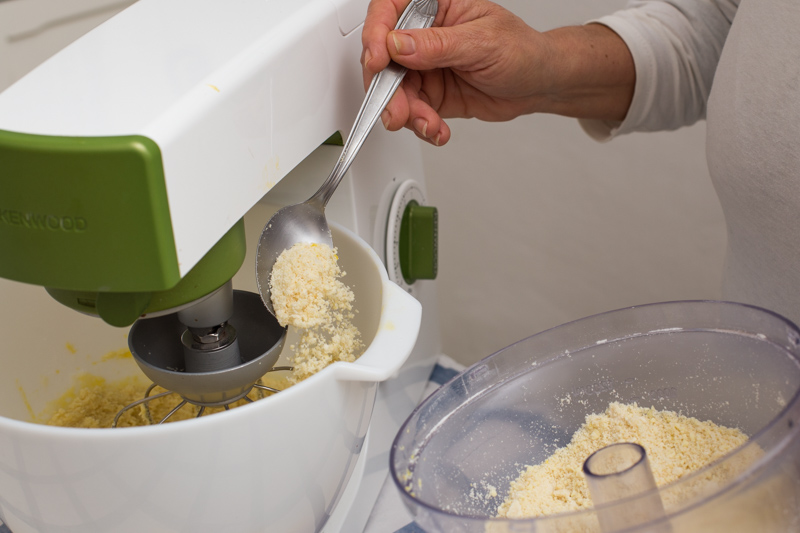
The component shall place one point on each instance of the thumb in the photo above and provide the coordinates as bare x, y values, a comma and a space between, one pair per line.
429, 48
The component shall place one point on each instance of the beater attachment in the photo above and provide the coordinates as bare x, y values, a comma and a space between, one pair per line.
260, 387
212, 353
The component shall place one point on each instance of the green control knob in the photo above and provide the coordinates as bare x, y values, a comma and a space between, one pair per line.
418, 242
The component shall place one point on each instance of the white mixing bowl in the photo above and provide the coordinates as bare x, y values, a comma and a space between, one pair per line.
279, 464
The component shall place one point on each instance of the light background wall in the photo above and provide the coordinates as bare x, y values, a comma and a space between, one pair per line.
540, 225
33, 30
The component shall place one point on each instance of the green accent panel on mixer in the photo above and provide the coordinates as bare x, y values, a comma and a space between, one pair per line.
418, 243
85, 213
335, 139
120, 309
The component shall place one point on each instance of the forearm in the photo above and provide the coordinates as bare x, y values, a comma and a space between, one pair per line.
676, 45
482, 61
591, 73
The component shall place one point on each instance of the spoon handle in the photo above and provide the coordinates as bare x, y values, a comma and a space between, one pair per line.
418, 14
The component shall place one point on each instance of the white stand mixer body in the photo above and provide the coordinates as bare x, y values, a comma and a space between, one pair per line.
236, 94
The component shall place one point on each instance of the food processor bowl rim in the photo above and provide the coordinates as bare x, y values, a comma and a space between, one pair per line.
766, 458
330, 373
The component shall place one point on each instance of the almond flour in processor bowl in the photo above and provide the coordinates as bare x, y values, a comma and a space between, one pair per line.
734, 365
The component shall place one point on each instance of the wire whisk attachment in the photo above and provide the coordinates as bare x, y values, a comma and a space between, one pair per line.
262, 391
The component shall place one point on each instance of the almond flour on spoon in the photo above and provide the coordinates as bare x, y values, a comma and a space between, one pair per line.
307, 294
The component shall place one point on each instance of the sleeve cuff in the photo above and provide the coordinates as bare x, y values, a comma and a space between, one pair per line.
600, 130
645, 65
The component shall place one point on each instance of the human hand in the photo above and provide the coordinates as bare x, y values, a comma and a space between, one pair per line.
480, 61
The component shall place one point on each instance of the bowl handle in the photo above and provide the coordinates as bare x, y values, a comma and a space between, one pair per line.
397, 333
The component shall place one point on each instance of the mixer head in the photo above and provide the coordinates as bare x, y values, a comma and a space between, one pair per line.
211, 353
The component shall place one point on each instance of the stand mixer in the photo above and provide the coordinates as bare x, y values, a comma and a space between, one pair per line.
133, 160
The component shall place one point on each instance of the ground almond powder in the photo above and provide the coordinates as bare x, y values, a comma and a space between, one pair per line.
307, 294
676, 446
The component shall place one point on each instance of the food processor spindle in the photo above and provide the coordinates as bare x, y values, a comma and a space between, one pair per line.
620, 471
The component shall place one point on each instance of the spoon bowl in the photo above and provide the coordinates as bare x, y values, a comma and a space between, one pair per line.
304, 222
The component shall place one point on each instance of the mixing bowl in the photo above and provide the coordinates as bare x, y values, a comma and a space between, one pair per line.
739, 366
279, 464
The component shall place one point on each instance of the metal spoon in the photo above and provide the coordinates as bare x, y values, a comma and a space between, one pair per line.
305, 222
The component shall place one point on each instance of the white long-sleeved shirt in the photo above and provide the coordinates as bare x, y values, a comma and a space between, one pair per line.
736, 64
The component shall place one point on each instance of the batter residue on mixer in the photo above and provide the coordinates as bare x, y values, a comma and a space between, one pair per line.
676, 446
307, 293
94, 402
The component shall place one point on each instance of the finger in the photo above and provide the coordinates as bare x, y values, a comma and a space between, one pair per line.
367, 76
410, 109
427, 123
455, 47
395, 115
440, 139
423, 119
430, 141
382, 17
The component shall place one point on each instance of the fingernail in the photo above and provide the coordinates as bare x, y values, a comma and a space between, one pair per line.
385, 117
367, 58
404, 44
437, 138
421, 125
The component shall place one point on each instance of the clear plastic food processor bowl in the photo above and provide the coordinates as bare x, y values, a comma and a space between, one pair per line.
735, 365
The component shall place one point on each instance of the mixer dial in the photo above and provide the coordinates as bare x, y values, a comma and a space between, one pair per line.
412, 240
